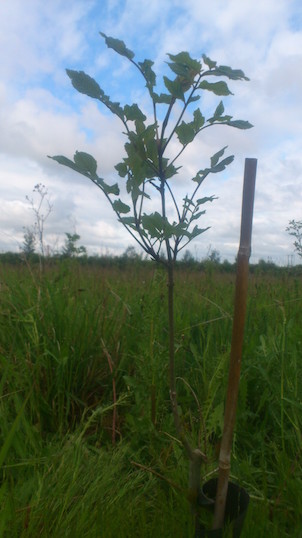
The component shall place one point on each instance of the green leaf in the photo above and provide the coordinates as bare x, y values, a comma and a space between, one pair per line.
180, 70
219, 110
223, 119
188, 201
234, 74
209, 62
139, 127
219, 88
217, 167
215, 158
63, 160
178, 230
154, 224
185, 133
201, 175
193, 98
119, 46
129, 184
150, 76
169, 170
197, 215
197, 231
135, 148
128, 221
122, 169
226, 71
85, 162
222, 165
111, 189
120, 207
133, 113
136, 192
85, 84
184, 59
108, 189
205, 199
217, 117
162, 98
115, 108
149, 137
138, 161
174, 87
198, 119
240, 124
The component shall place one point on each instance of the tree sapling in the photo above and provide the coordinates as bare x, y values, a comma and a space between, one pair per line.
147, 174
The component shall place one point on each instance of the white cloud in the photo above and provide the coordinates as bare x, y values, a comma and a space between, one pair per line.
35, 36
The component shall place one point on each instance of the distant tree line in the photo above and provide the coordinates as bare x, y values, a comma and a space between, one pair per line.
34, 250
130, 258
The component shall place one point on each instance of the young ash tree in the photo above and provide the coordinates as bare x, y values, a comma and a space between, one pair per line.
147, 174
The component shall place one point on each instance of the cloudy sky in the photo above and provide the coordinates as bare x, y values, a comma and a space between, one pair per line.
41, 114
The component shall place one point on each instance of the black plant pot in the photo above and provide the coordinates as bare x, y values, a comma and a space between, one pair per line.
235, 511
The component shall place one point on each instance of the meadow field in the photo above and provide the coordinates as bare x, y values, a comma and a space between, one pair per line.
87, 443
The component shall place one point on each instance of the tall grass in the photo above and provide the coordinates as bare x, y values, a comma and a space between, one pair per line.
83, 358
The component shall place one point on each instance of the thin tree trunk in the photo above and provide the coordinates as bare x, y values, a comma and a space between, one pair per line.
195, 456
173, 395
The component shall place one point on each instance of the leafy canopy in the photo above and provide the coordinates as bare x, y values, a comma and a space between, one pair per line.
145, 169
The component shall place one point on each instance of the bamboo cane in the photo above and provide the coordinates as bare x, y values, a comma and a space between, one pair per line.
237, 339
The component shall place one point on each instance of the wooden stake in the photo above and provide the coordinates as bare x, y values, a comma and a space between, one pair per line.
237, 339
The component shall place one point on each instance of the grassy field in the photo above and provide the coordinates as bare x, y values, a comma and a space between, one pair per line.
88, 446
